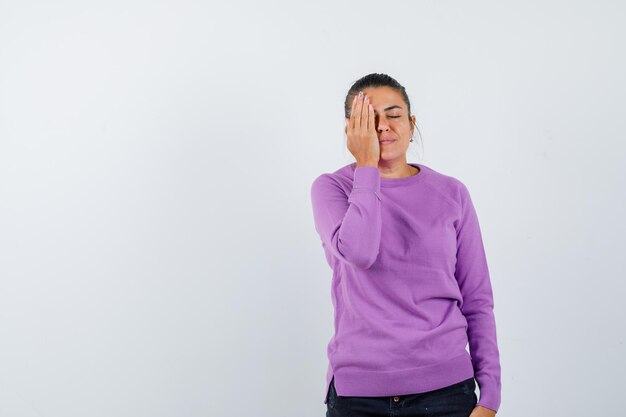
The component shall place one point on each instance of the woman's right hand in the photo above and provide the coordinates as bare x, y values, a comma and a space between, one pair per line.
361, 131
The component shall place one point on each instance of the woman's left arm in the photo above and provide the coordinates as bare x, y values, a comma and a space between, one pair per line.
472, 275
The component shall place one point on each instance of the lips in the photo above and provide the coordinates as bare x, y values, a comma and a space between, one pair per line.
386, 141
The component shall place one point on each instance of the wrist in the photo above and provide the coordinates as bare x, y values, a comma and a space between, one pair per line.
367, 163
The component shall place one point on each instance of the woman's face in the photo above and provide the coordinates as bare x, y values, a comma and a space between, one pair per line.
391, 121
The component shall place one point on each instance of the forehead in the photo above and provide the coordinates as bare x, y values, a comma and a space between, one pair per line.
384, 97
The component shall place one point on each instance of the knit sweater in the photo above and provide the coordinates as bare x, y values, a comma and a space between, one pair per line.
410, 284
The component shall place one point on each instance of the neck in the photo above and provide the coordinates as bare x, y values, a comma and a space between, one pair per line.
399, 169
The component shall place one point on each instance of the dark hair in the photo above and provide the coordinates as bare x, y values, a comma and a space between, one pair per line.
376, 80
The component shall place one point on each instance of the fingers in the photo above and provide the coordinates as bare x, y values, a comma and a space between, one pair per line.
359, 114
367, 118
357, 111
371, 125
365, 105
352, 112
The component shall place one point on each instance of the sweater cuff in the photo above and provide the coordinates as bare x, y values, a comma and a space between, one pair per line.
367, 178
490, 398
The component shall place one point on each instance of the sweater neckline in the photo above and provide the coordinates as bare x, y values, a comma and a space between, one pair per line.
397, 182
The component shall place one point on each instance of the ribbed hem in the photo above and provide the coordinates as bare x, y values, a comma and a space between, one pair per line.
353, 382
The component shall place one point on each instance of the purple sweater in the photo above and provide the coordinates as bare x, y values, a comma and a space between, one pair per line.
410, 284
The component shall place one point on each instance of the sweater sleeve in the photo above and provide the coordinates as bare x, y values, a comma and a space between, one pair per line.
349, 225
472, 274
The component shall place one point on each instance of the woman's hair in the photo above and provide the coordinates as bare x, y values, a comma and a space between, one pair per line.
376, 80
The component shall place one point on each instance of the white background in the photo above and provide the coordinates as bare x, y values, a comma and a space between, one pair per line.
157, 249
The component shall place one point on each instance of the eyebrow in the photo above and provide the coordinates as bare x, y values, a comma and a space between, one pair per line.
392, 107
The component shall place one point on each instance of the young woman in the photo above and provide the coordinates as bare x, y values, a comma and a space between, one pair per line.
410, 285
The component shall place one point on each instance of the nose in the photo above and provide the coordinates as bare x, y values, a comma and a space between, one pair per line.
382, 125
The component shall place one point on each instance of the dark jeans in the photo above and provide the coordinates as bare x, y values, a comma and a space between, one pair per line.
457, 400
